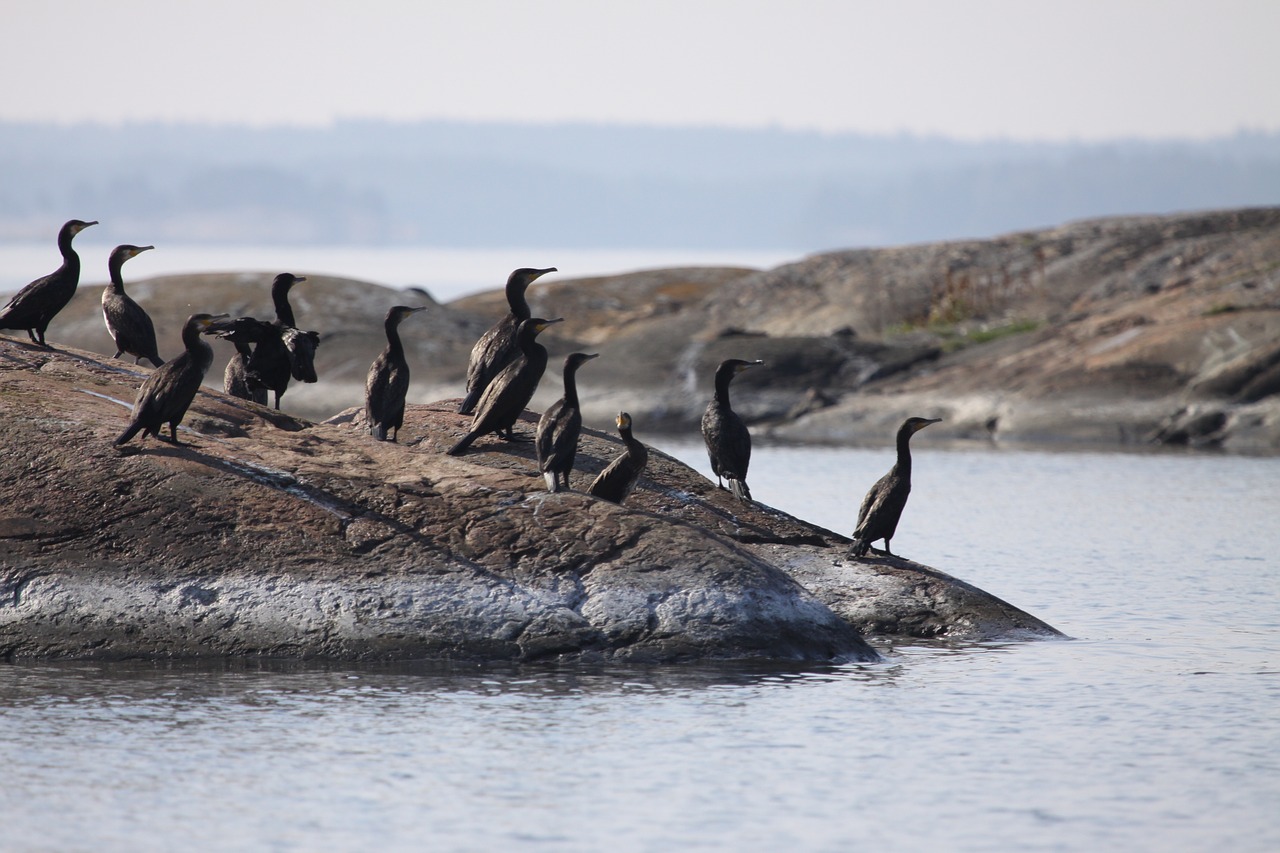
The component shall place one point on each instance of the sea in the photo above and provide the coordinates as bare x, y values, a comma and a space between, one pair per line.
1154, 725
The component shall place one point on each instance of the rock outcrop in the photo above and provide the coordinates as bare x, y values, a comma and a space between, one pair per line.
1116, 331
269, 535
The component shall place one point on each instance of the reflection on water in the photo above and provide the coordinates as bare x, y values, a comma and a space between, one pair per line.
1156, 729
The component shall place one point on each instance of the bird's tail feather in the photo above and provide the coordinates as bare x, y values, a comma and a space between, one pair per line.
469, 402
739, 489
129, 433
463, 444
553, 481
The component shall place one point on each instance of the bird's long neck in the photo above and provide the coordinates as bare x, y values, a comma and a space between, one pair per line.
200, 351
395, 349
69, 257
904, 452
635, 448
243, 349
117, 276
284, 311
722, 388
571, 385
515, 298
528, 342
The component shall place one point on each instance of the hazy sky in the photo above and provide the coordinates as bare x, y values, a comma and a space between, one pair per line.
1025, 69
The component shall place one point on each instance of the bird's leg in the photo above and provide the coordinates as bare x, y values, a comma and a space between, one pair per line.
173, 432
277, 393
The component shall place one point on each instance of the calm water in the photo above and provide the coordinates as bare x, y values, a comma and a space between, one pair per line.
1157, 728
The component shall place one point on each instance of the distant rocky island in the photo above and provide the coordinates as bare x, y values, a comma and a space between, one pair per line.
1128, 331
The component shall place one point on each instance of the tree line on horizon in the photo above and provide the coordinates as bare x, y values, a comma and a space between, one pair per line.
477, 185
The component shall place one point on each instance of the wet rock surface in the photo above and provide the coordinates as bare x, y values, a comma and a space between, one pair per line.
269, 535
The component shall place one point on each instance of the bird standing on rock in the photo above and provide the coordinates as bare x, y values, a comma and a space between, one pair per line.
128, 324
35, 306
281, 351
387, 384
616, 482
560, 427
727, 438
511, 390
882, 507
497, 347
168, 392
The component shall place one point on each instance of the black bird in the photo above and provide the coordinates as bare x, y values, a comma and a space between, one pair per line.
280, 287
35, 306
300, 345
616, 482
497, 347
167, 394
235, 379
280, 352
511, 390
254, 372
727, 438
127, 323
560, 426
388, 381
883, 505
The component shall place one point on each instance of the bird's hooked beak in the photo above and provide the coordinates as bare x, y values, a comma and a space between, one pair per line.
84, 225
138, 250
546, 323
216, 323
924, 422
748, 365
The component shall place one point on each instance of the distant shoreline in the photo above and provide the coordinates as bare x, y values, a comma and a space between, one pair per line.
447, 273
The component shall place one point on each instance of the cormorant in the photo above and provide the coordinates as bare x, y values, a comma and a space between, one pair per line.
882, 507
511, 390
280, 288
388, 380
35, 306
300, 345
280, 350
560, 426
497, 347
127, 323
168, 392
616, 482
727, 438
235, 379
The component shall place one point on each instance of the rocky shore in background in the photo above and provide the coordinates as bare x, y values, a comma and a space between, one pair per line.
270, 535
1126, 331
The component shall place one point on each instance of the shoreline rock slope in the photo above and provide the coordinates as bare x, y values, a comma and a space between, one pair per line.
271, 536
